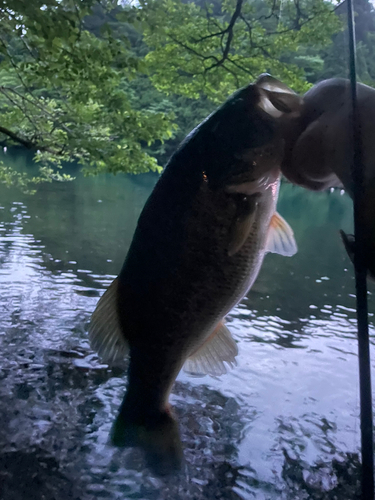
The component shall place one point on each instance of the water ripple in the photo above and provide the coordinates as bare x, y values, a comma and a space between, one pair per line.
283, 424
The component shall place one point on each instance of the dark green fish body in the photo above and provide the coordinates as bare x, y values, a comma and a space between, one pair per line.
196, 251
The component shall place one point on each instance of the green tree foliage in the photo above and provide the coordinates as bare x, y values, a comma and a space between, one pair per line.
192, 52
62, 89
214, 48
335, 57
100, 83
187, 113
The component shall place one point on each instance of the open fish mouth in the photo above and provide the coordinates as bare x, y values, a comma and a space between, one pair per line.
349, 244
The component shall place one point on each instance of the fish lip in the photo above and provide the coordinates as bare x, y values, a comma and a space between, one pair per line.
349, 244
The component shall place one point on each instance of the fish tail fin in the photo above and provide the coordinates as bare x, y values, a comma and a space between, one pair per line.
157, 435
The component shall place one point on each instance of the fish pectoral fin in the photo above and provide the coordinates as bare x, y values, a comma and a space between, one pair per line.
239, 234
280, 237
105, 333
241, 228
210, 357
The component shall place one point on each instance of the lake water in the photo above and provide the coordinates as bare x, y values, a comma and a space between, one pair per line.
284, 424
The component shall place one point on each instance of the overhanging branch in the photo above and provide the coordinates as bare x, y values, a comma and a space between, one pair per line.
25, 142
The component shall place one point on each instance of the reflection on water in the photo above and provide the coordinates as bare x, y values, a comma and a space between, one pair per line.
282, 425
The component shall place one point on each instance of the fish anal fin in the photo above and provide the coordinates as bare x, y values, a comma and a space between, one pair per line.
210, 358
280, 237
105, 333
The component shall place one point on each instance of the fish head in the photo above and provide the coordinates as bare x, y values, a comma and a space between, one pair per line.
255, 119
247, 131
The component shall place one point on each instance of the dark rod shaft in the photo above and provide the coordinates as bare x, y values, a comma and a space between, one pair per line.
360, 280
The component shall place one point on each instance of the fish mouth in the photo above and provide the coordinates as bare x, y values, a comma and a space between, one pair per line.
349, 244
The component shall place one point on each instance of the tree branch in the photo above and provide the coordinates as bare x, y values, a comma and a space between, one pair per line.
236, 15
225, 50
222, 33
190, 49
25, 142
29, 144
23, 111
273, 14
39, 106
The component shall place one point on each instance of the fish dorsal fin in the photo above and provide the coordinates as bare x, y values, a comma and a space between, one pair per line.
280, 237
210, 357
105, 333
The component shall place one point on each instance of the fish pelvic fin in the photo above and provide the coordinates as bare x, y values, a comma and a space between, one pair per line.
157, 435
280, 237
105, 334
211, 356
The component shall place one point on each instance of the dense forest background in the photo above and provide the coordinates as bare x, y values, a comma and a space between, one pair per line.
117, 85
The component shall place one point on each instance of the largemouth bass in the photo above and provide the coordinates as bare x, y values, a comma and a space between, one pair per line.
319, 150
196, 251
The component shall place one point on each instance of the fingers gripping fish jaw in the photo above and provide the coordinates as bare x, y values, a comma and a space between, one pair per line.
319, 151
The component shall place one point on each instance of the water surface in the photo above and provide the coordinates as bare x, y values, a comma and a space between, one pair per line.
284, 424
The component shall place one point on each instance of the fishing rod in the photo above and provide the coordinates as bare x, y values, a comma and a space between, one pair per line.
357, 172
